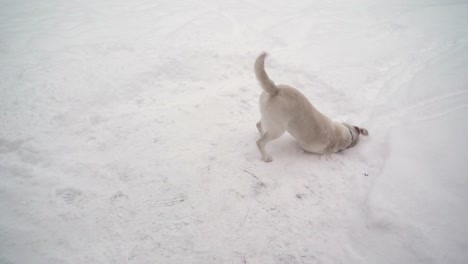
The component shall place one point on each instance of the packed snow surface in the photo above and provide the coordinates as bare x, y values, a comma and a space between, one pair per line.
127, 132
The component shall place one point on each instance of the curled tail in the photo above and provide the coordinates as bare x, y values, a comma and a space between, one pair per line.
262, 77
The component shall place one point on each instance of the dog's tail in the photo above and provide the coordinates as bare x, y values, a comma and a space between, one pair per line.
267, 84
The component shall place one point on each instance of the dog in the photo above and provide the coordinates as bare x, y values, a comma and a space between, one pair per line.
283, 108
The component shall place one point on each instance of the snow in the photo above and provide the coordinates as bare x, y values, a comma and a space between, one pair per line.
127, 132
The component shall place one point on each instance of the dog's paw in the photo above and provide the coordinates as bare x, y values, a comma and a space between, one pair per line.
267, 158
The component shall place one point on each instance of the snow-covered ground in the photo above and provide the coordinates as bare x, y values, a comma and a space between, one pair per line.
127, 132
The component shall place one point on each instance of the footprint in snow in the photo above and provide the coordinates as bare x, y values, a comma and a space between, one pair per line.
180, 198
68, 195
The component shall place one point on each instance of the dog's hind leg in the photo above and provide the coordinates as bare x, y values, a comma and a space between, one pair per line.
260, 128
261, 143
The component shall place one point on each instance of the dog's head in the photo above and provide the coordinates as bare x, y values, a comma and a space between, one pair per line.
355, 132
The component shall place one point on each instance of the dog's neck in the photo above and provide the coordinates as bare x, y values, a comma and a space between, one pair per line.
351, 134
346, 129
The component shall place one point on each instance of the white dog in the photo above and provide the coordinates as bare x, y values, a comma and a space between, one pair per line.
284, 108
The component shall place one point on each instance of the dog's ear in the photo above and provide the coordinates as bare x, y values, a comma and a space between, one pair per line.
363, 131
